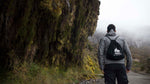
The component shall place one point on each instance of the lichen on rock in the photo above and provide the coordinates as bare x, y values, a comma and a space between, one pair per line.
46, 31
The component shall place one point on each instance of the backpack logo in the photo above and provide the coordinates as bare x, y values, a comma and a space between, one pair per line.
115, 51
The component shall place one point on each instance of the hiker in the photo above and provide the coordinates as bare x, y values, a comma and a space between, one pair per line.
113, 52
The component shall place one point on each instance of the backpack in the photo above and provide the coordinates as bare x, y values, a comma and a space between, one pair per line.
114, 52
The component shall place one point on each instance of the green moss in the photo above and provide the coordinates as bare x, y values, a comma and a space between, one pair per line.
36, 74
26, 31
55, 7
47, 32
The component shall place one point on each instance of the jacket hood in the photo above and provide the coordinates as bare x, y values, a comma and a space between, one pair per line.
111, 33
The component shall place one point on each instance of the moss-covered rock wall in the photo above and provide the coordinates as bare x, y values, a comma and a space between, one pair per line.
45, 31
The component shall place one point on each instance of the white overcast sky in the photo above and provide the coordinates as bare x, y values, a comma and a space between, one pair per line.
131, 16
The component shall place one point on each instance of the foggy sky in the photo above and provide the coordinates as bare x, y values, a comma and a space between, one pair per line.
131, 17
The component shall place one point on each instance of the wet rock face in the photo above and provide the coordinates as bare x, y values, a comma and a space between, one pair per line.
45, 31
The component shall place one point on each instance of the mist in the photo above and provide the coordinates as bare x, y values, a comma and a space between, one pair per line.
131, 18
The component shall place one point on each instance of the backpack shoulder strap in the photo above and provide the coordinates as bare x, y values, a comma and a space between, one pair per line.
108, 38
116, 37
111, 39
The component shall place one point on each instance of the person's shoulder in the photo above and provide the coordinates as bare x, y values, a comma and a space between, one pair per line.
104, 38
121, 38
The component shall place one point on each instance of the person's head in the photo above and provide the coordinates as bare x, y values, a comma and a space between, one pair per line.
111, 26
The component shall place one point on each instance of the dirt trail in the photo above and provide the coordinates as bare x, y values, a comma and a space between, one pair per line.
134, 78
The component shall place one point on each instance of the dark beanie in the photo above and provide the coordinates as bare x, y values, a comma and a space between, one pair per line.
111, 26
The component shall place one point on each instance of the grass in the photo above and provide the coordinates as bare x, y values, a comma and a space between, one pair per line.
37, 74
34, 73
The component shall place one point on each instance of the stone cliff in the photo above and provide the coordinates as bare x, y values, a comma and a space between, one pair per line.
52, 32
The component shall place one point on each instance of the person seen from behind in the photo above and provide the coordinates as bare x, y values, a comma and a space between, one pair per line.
114, 57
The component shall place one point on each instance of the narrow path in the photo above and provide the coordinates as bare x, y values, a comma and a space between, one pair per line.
134, 78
